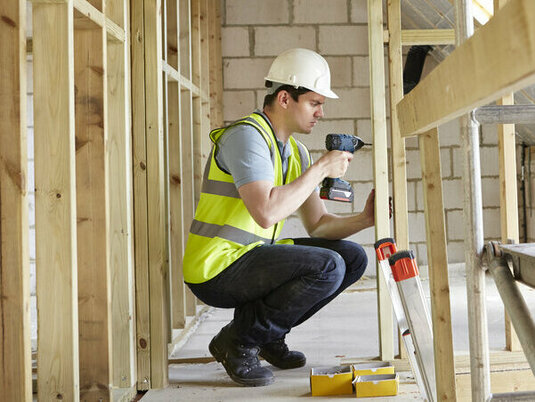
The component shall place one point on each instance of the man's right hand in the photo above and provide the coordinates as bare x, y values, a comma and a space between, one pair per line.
335, 163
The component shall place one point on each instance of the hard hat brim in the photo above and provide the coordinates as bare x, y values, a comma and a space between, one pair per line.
324, 92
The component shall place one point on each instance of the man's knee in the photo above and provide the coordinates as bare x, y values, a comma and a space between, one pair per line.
333, 269
359, 261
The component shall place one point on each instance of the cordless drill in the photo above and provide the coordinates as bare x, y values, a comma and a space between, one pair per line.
338, 189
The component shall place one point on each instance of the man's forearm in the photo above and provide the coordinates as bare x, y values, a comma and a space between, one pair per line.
270, 204
334, 227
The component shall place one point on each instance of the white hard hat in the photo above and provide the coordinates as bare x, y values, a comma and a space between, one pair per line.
302, 68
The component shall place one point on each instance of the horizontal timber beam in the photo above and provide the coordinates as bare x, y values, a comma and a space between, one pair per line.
411, 37
113, 30
498, 59
505, 114
174, 75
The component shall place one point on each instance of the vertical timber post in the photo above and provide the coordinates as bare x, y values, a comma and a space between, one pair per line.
380, 167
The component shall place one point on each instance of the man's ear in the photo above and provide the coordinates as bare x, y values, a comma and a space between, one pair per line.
283, 97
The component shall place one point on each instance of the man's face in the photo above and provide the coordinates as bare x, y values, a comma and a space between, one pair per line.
306, 113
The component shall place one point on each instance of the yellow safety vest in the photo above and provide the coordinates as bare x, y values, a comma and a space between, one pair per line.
223, 230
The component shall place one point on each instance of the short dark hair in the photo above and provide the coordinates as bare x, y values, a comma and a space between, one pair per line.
293, 91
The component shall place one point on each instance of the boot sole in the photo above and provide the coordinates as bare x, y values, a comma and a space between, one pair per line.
220, 357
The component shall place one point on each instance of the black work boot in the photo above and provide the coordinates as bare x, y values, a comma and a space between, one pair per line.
278, 354
240, 361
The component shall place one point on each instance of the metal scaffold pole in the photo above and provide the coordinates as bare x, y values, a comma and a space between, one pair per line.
473, 216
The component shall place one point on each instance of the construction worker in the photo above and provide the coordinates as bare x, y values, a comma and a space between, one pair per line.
256, 176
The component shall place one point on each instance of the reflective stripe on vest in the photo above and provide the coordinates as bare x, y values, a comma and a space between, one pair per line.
225, 232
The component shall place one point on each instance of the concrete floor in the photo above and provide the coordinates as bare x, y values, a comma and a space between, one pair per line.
346, 328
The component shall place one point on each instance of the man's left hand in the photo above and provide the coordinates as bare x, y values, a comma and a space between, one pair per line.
369, 208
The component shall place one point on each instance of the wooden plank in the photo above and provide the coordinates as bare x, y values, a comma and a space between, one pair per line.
501, 381
176, 210
120, 216
187, 35
203, 142
399, 174
216, 67
499, 360
176, 230
55, 208
438, 264
411, 37
508, 193
380, 167
503, 61
157, 238
15, 325
141, 251
200, 69
92, 196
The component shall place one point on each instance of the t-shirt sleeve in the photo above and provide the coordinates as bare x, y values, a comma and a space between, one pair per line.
244, 153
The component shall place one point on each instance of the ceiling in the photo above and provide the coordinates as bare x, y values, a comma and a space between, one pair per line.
440, 14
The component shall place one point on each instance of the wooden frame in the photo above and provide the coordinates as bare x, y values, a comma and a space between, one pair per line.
15, 352
83, 150
93, 260
170, 143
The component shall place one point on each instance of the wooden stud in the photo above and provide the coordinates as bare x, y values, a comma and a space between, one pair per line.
141, 250
502, 61
55, 202
380, 167
178, 291
198, 19
157, 239
438, 264
92, 195
187, 35
204, 144
120, 212
399, 175
508, 194
216, 67
15, 325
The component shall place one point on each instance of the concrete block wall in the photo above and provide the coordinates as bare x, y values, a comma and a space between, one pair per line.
255, 31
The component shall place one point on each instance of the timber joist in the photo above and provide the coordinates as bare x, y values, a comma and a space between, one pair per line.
411, 37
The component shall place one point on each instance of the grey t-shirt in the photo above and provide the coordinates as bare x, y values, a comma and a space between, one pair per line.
244, 153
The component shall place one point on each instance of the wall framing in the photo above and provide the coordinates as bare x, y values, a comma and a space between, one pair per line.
171, 56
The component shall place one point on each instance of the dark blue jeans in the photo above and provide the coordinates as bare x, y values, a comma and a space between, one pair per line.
274, 288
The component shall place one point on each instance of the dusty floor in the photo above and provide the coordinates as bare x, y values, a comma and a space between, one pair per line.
345, 328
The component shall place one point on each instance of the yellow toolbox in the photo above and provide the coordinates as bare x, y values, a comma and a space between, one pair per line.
376, 385
331, 381
372, 368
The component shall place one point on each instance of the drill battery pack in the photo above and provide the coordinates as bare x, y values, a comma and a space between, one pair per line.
336, 190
